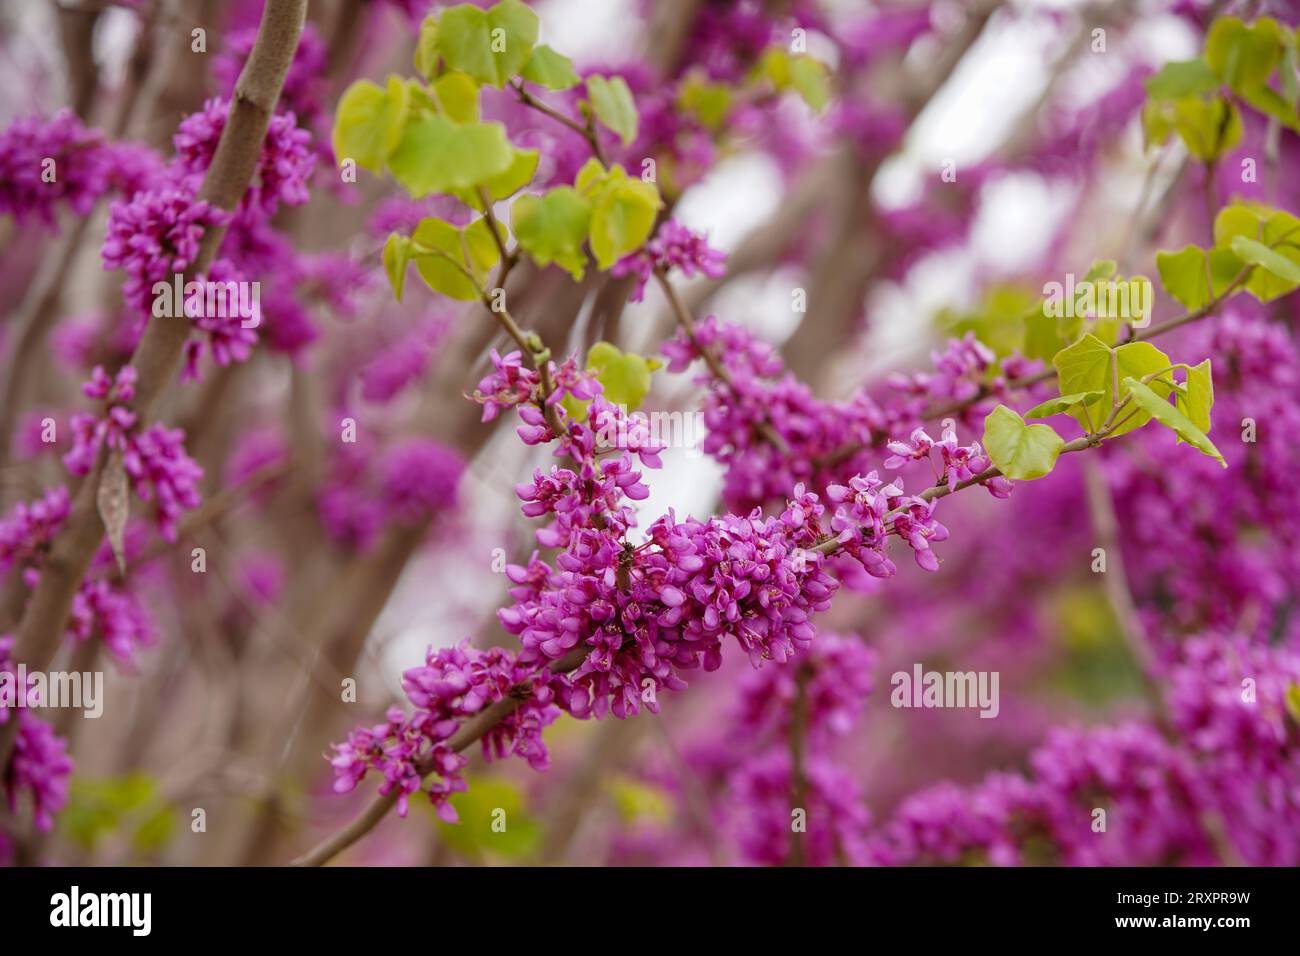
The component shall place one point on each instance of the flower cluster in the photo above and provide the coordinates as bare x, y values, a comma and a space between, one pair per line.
48, 162
454, 683
672, 247
413, 480
283, 168
155, 460
39, 765
30, 528
155, 236
833, 679
112, 614
230, 337
834, 812
1143, 784
827, 440
1236, 704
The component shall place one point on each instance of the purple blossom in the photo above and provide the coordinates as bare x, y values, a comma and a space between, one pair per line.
672, 247
419, 478
48, 162
155, 236
39, 765
283, 167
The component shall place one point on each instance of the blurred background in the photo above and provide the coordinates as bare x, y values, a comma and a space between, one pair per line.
970, 153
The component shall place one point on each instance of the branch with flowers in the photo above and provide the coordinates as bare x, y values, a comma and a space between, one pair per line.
332, 440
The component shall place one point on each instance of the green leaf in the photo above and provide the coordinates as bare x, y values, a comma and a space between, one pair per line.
457, 95
1292, 700
1020, 451
1275, 229
638, 801
1085, 367
1177, 80
370, 122
1243, 56
452, 261
1159, 408
494, 820
708, 102
155, 831
1256, 253
590, 177
811, 79
482, 251
426, 47
1271, 103
1054, 406
1137, 359
1100, 270
626, 376
807, 76
553, 227
490, 45
503, 185
1198, 397
397, 255
437, 155
1208, 128
623, 217
1185, 276
612, 102
550, 69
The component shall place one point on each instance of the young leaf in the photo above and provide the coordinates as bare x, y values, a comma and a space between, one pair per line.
457, 96
397, 254
1269, 102
1256, 253
1020, 451
1085, 367
481, 250
811, 79
1160, 409
622, 217
426, 47
437, 155
553, 227
1054, 406
708, 102
440, 256
1275, 229
625, 376
490, 45
1184, 274
1197, 398
503, 185
612, 102
1176, 80
370, 122
1209, 128
590, 177
1135, 360
550, 69
1243, 56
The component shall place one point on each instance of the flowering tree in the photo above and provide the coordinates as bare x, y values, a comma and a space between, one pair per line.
370, 234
